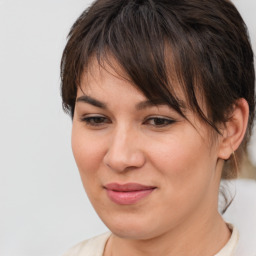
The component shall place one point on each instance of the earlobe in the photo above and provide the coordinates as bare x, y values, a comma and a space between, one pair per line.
235, 129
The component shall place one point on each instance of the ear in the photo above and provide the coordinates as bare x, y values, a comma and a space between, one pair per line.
234, 129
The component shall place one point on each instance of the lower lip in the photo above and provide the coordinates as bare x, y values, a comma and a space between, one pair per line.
130, 197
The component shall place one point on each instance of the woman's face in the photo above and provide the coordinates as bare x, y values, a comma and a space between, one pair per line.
146, 169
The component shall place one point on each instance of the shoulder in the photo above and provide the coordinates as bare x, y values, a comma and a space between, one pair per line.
91, 247
231, 246
242, 214
234, 247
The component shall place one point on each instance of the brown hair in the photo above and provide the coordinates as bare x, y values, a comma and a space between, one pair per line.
207, 42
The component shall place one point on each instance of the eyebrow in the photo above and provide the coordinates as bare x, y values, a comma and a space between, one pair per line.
139, 106
91, 101
150, 103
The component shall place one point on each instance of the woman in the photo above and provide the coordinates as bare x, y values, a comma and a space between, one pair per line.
161, 94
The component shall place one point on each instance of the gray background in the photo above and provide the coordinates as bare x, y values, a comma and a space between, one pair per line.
43, 208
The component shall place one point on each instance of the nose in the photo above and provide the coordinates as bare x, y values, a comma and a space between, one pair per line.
125, 151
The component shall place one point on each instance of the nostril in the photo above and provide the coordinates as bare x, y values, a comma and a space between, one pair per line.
125, 160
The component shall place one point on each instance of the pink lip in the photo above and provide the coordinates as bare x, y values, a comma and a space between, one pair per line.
129, 193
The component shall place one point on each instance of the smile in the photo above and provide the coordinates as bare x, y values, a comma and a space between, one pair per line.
129, 193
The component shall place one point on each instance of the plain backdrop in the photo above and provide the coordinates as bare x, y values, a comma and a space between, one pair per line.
43, 207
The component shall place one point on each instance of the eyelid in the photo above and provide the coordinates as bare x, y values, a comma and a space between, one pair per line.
89, 119
164, 118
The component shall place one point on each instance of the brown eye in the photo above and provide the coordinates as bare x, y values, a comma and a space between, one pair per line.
95, 120
159, 121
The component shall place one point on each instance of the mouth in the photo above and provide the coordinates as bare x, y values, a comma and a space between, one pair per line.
129, 193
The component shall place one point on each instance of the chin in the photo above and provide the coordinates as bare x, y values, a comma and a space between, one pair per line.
131, 228
134, 234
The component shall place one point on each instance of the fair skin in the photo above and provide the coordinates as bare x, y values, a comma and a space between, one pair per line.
118, 138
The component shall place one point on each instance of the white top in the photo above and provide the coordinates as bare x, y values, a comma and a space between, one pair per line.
95, 246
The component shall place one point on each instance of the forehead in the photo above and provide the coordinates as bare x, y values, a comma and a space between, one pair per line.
110, 86
108, 70
100, 76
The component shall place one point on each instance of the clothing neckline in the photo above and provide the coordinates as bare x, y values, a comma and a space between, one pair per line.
230, 247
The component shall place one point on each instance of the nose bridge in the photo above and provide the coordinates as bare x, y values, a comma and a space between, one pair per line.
124, 150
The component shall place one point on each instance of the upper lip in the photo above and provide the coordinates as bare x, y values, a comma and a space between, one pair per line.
127, 187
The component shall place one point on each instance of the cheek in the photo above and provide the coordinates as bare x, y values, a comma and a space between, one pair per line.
181, 153
187, 181
187, 165
88, 153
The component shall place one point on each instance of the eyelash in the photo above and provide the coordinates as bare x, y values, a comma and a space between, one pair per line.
97, 121
94, 120
163, 121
